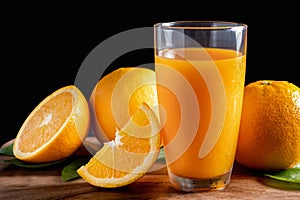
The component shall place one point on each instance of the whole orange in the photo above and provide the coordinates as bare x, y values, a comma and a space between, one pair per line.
269, 137
117, 96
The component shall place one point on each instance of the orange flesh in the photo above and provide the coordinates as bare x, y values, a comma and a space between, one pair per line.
126, 156
60, 107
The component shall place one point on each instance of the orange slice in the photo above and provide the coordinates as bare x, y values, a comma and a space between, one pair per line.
129, 156
55, 129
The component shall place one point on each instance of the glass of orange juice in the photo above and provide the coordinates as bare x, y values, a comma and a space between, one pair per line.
200, 72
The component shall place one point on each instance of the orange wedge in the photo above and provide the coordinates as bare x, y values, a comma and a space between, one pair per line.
129, 156
56, 127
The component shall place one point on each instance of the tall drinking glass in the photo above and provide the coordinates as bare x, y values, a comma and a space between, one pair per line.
200, 72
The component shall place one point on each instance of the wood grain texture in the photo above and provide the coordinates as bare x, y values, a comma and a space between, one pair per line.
32, 184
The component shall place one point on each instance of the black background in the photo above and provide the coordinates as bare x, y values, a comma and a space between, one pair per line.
43, 46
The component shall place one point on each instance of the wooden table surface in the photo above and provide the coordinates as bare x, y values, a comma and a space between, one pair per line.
32, 184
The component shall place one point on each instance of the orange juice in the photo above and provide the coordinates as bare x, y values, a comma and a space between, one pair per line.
200, 94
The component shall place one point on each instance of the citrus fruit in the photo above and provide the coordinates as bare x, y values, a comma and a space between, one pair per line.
117, 95
55, 128
269, 137
129, 156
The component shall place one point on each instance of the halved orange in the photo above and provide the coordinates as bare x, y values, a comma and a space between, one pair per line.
56, 127
129, 156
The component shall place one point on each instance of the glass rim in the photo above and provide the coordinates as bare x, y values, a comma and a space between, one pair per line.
200, 24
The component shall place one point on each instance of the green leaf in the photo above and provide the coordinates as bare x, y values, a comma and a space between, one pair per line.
161, 156
20, 163
7, 151
284, 185
69, 172
288, 179
288, 175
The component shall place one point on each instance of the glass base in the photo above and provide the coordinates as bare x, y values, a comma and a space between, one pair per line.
197, 185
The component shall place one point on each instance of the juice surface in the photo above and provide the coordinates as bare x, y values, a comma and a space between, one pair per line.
200, 91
